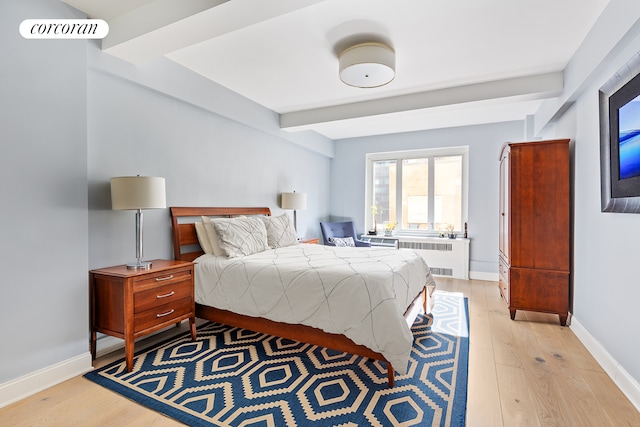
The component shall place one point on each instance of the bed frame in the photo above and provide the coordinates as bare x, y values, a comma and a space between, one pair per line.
187, 248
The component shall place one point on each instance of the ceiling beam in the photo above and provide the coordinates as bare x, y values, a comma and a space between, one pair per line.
615, 28
164, 26
150, 17
533, 87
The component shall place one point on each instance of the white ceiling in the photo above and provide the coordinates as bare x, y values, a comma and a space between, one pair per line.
457, 62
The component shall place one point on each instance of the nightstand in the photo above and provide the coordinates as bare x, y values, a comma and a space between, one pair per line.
131, 303
313, 241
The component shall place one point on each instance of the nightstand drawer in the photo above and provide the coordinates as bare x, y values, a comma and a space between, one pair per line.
165, 294
162, 278
163, 313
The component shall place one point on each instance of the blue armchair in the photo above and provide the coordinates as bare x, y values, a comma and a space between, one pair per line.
340, 229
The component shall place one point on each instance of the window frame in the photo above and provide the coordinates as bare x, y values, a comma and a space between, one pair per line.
399, 156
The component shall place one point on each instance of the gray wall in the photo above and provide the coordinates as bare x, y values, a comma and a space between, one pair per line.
43, 170
484, 141
207, 160
606, 245
67, 127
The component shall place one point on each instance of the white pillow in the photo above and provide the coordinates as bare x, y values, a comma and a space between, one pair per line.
212, 235
342, 241
203, 238
280, 231
241, 236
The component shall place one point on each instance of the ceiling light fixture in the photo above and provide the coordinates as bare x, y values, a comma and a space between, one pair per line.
367, 65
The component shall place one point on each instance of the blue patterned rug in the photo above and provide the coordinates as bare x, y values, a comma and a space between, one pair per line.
234, 377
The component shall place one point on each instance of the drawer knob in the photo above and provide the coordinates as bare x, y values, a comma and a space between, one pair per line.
165, 314
165, 295
161, 279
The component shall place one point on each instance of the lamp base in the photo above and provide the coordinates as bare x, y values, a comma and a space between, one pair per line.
140, 265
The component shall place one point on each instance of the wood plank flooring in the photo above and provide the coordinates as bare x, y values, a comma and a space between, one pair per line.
527, 372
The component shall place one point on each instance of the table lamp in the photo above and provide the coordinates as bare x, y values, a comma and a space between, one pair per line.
294, 201
137, 193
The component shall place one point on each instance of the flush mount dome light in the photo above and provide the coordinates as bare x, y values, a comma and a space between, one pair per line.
367, 65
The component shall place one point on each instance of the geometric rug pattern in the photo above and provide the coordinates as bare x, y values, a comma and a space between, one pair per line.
236, 377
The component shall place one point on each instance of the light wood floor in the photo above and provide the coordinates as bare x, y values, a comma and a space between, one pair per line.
527, 372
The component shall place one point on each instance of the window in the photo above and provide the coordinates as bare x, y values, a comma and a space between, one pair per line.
422, 191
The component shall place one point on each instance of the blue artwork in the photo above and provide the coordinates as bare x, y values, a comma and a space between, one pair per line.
629, 139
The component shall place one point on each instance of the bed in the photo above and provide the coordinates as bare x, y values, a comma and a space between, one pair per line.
332, 297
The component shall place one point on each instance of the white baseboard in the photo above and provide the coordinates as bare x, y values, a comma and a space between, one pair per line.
20, 388
629, 386
34, 382
483, 275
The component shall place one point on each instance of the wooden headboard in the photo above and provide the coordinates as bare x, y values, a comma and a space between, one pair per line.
184, 233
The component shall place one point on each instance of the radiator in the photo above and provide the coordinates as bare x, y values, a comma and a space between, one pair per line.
445, 257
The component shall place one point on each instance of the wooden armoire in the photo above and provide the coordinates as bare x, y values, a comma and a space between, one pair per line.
535, 230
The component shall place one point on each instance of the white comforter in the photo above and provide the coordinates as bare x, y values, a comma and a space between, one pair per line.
361, 293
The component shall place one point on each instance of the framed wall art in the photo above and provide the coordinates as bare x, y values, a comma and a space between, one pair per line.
620, 140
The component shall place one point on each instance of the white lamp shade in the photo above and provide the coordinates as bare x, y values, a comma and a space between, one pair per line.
367, 65
294, 201
137, 192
